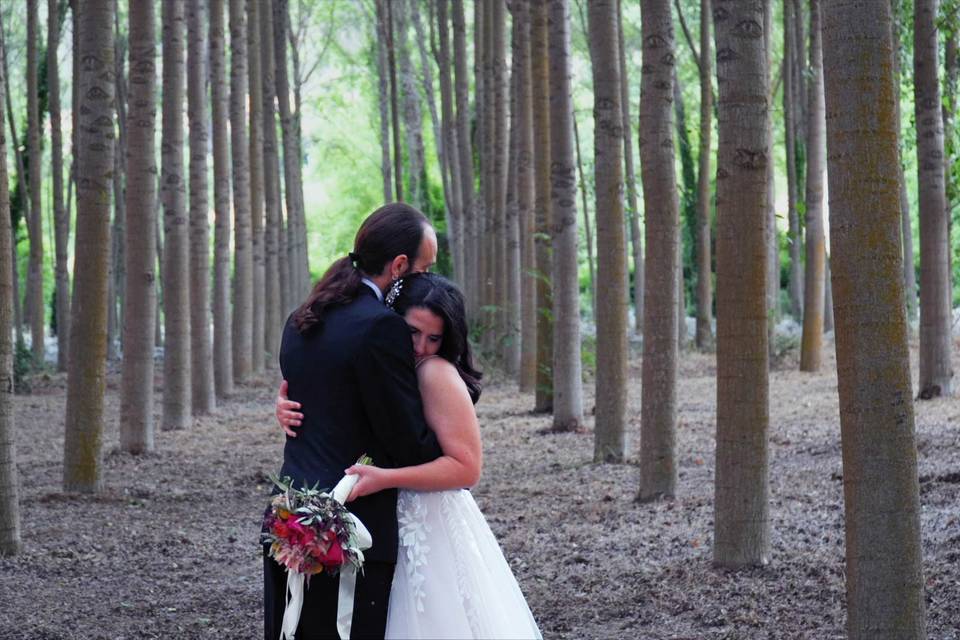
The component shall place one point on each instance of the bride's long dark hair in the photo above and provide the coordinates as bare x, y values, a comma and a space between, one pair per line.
392, 230
443, 298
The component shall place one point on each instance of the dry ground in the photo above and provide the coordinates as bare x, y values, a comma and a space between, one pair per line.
169, 549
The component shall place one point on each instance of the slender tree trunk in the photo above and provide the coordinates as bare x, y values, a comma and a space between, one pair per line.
485, 90
201, 348
790, 81
633, 213
24, 200
35, 309
885, 587
704, 333
140, 301
612, 348
412, 116
394, 102
177, 379
658, 457
742, 529
273, 280
383, 77
240, 155
827, 300
86, 379
255, 74
498, 160
567, 379
687, 204
10, 542
116, 292
61, 216
936, 370
909, 271
586, 221
512, 260
526, 197
158, 234
465, 149
450, 144
292, 170
540, 89
222, 311
773, 241
951, 83
811, 350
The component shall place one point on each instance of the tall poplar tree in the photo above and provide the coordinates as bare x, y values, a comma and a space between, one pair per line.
35, 310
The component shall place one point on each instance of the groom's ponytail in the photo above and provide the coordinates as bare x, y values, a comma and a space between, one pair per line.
392, 230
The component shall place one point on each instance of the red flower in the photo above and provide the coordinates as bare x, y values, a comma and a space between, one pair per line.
328, 551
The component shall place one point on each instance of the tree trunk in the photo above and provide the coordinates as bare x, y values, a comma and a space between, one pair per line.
255, 74
383, 85
688, 203
790, 81
86, 378
450, 144
240, 155
61, 216
512, 259
292, 170
773, 241
35, 310
526, 197
177, 379
222, 311
612, 348
567, 378
412, 116
274, 280
10, 542
658, 418
936, 370
811, 349
140, 301
394, 102
885, 587
827, 299
498, 168
462, 88
633, 213
704, 335
116, 292
909, 270
742, 530
486, 122
951, 85
586, 221
540, 89
201, 348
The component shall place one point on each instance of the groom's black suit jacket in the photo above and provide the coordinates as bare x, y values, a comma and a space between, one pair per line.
355, 379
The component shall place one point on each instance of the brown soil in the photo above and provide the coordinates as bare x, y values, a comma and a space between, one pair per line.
169, 549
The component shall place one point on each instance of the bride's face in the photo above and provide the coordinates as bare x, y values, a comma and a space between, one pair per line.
426, 329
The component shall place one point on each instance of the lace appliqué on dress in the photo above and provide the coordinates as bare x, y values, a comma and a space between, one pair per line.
413, 529
466, 543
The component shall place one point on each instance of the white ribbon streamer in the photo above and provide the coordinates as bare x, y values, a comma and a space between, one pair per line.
348, 575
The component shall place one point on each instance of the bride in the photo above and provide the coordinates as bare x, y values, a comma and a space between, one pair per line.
451, 580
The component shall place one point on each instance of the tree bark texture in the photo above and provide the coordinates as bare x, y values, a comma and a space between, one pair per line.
117, 246
704, 332
936, 370
790, 80
742, 529
412, 116
909, 270
512, 260
10, 542
612, 348
885, 589
588, 231
498, 159
201, 347
86, 379
274, 278
257, 196
450, 142
567, 368
543, 265
465, 155
383, 86
394, 100
140, 301
811, 347
240, 158
35, 308
61, 215
658, 418
177, 379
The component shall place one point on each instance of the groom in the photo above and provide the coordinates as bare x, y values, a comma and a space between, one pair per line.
348, 362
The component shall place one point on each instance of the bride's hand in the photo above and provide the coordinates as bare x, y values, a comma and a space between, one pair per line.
372, 479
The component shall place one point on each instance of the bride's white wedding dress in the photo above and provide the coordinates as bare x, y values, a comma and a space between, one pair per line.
451, 579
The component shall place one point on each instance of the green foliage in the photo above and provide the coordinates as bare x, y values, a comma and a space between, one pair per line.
22, 366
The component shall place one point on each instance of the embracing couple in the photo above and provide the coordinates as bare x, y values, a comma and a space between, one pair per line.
376, 361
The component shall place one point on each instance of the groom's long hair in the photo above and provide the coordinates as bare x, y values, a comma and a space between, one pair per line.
392, 230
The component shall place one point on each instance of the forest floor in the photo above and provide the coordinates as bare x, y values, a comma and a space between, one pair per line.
169, 549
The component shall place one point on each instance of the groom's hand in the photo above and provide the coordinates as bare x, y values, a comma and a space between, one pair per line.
286, 411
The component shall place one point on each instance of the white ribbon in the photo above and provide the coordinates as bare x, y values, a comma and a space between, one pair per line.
348, 575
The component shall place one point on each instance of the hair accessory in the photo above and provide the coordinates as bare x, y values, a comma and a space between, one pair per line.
394, 292
354, 258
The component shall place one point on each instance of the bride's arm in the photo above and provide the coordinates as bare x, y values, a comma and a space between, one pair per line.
450, 413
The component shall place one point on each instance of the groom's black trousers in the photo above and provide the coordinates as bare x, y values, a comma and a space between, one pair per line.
318, 618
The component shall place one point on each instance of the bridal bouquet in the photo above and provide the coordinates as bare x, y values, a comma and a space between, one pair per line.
310, 532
